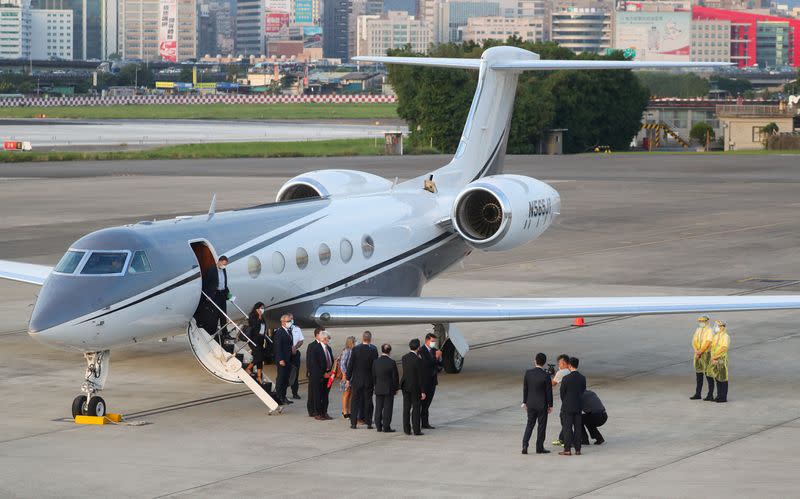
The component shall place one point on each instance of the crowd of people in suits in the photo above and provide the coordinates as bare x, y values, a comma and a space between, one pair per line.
581, 413
368, 379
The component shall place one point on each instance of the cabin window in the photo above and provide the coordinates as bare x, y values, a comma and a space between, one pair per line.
301, 258
324, 254
367, 246
346, 250
139, 263
69, 262
253, 266
105, 263
278, 262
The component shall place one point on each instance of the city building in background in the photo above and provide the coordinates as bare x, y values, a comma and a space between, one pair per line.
711, 40
139, 28
111, 34
336, 29
89, 28
206, 31
15, 29
481, 29
250, 27
378, 33
655, 36
757, 39
453, 16
582, 25
53, 34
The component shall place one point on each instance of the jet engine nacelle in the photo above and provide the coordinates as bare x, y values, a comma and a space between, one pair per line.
327, 183
501, 212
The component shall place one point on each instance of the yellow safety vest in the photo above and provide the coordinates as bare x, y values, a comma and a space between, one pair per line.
702, 338
720, 344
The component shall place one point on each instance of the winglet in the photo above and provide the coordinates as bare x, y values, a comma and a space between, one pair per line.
212, 210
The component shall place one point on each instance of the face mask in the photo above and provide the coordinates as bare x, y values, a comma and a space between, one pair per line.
261, 311
290, 324
433, 344
716, 329
222, 267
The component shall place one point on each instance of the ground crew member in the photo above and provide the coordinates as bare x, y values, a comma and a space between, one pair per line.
701, 343
718, 365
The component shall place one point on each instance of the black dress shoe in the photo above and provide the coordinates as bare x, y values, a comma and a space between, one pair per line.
407, 432
353, 427
709, 398
599, 441
428, 427
380, 430
418, 433
695, 397
296, 397
577, 453
543, 451
721, 401
389, 430
369, 426
524, 450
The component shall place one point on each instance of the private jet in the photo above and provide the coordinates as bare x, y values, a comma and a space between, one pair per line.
337, 247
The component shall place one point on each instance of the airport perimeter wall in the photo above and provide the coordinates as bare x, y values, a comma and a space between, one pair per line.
194, 100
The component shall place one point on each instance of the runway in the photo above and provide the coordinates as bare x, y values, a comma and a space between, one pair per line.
56, 133
630, 225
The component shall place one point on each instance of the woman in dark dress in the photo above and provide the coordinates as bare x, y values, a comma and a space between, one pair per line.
256, 331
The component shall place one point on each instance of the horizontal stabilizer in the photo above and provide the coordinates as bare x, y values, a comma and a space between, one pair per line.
24, 272
537, 64
423, 310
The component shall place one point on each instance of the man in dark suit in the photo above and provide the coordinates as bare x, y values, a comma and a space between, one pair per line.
431, 365
572, 387
359, 379
537, 399
315, 371
215, 286
282, 342
411, 385
387, 381
327, 356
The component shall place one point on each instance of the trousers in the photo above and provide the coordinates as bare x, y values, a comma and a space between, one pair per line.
572, 425
591, 421
362, 398
411, 412
535, 416
425, 406
282, 382
384, 404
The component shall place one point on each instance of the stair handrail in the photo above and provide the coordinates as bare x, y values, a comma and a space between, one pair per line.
246, 315
230, 321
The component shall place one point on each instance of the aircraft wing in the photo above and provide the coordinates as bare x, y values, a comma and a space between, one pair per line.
423, 310
24, 272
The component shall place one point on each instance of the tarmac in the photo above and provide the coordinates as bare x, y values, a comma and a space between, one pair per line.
630, 225
137, 134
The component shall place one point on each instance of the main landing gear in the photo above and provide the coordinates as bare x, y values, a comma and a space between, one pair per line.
454, 347
89, 403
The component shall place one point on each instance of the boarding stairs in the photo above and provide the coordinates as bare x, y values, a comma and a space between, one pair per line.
226, 366
660, 128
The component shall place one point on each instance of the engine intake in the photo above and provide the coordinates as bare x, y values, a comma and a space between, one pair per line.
504, 211
329, 183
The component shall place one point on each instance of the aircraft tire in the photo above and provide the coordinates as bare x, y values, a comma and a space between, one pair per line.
96, 406
78, 406
453, 361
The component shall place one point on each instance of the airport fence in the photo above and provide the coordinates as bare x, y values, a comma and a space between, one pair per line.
80, 100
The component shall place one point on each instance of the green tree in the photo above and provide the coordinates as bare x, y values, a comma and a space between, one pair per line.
603, 107
700, 131
770, 128
733, 86
662, 84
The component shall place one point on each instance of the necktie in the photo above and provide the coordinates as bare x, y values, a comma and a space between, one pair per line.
327, 358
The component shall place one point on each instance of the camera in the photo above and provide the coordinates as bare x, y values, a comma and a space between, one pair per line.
551, 369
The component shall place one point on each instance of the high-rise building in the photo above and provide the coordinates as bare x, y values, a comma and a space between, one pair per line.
206, 31
52, 31
15, 30
481, 29
409, 6
378, 33
452, 17
140, 28
111, 41
335, 29
582, 25
711, 40
89, 28
250, 27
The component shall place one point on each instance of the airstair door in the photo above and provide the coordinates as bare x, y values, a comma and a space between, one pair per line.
224, 365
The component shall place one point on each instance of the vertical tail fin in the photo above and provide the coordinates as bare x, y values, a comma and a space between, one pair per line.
482, 147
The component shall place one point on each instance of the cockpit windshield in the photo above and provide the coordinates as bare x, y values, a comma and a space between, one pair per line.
69, 262
105, 263
139, 263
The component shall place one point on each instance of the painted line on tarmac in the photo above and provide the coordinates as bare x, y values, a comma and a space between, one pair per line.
694, 454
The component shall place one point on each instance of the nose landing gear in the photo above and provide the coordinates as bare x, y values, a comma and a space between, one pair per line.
89, 403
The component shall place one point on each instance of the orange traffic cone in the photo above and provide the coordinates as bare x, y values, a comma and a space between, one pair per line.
579, 322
